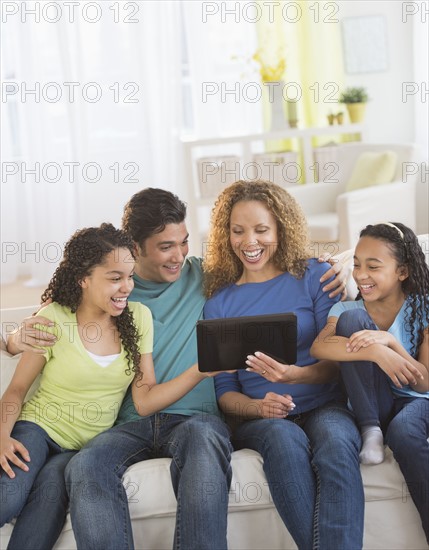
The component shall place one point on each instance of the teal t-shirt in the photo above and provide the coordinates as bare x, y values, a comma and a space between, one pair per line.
175, 307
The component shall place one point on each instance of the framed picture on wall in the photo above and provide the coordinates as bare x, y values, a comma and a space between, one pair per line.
364, 44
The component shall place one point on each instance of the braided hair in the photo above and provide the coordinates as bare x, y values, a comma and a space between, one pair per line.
407, 251
86, 249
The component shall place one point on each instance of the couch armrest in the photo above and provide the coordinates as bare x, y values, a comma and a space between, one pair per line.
316, 198
390, 202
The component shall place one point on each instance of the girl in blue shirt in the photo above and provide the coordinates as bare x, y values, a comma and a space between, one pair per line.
293, 415
382, 342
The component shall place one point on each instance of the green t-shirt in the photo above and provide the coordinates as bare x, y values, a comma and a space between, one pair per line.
175, 307
77, 398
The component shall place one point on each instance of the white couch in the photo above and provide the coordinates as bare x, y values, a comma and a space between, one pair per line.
335, 216
391, 519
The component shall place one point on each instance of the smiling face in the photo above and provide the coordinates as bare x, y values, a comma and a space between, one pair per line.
253, 237
376, 271
161, 257
106, 289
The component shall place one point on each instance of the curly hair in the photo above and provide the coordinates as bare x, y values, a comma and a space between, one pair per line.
149, 211
221, 265
407, 252
86, 249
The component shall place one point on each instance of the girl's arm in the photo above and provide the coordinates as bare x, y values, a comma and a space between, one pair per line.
28, 368
150, 397
241, 406
400, 369
366, 338
318, 373
423, 361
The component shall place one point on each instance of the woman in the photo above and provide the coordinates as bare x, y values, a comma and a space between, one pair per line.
293, 415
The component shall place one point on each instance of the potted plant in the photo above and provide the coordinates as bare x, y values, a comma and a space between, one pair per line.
355, 100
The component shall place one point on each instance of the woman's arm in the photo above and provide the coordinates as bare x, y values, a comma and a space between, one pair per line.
318, 373
150, 397
241, 406
29, 366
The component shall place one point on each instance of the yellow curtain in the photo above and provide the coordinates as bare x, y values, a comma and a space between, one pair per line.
308, 34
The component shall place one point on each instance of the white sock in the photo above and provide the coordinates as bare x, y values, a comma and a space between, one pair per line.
372, 451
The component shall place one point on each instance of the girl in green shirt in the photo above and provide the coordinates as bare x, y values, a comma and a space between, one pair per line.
103, 344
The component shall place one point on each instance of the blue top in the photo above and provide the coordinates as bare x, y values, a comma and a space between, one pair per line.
284, 293
175, 307
399, 329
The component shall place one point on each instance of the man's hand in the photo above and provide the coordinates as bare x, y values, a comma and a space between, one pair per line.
28, 338
338, 285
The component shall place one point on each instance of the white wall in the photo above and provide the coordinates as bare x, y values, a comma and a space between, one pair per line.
388, 119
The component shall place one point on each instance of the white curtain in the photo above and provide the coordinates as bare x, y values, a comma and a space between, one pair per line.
71, 162
225, 80
115, 90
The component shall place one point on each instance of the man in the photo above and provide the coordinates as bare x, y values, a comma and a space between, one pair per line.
190, 430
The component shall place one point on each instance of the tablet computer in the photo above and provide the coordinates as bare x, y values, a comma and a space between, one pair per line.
224, 344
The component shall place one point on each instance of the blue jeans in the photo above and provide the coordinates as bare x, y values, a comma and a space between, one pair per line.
42, 519
407, 437
405, 421
367, 386
200, 469
31, 495
312, 466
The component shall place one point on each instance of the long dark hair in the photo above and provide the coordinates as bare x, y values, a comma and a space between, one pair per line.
407, 252
86, 249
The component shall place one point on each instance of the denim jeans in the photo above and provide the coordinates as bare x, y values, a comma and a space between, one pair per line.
312, 467
367, 386
405, 421
407, 437
42, 519
200, 469
30, 495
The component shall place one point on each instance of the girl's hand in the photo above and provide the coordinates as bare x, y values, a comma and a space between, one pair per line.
8, 449
274, 405
269, 368
398, 369
365, 338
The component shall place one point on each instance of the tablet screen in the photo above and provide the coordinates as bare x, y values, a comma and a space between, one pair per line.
224, 344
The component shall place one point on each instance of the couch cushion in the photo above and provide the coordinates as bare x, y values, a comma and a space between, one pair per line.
391, 520
249, 486
323, 227
372, 169
384, 481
